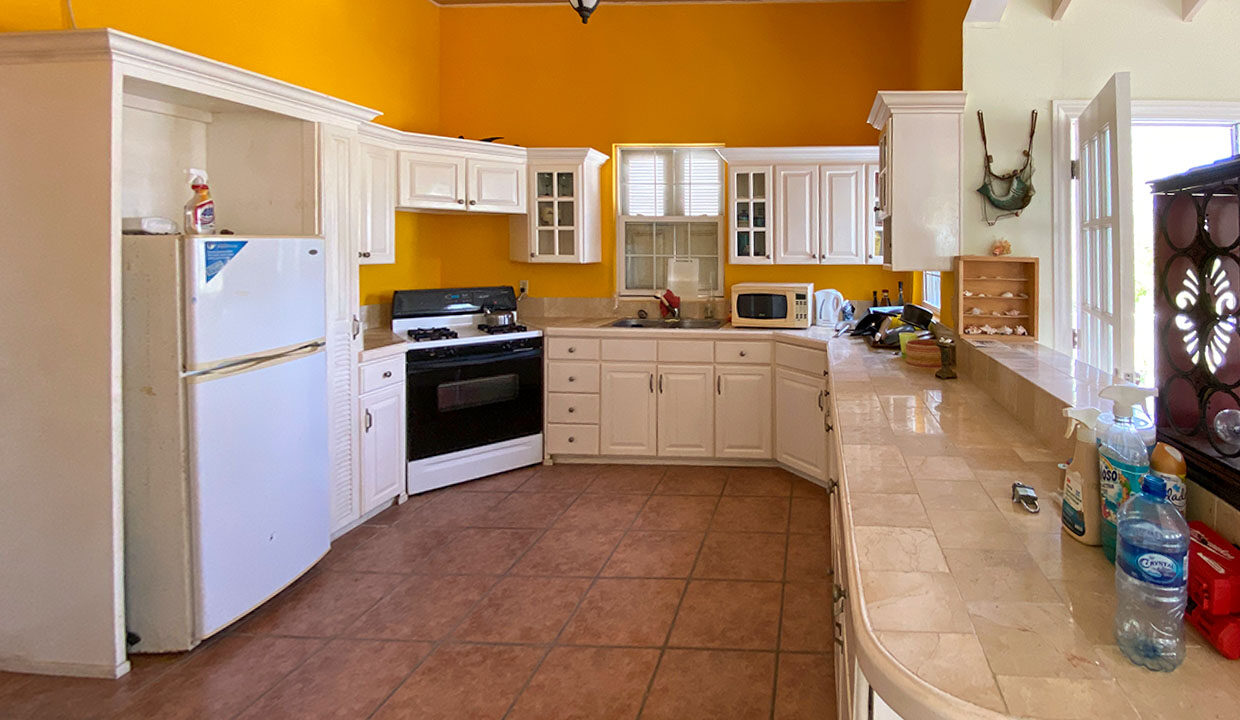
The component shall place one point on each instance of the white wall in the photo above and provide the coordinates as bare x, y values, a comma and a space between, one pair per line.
1028, 60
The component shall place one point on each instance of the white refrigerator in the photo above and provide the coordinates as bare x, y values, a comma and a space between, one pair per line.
225, 422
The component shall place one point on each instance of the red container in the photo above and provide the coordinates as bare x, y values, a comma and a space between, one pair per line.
1213, 572
1223, 632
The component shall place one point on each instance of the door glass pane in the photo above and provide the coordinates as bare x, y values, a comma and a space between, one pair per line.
759, 214
639, 273
759, 244
742, 185
639, 240
544, 184
742, 244
546, 242
742, 214
546, 214
477, 392
566, 213
759, 185
566, 242
564, 184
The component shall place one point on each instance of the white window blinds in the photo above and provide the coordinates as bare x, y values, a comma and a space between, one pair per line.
671, 182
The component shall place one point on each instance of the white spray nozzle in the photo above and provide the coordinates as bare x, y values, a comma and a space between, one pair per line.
1085, 418
1126, 397
196, 176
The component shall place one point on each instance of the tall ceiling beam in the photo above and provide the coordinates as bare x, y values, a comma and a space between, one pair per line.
1190, 8
1059, 7
985, 12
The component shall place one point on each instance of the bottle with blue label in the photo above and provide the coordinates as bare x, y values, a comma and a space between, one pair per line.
1151, 578
1122, 457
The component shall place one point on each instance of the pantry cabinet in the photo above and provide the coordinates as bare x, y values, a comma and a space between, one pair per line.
564, 219
686, 410
628, 409
743, 411
377, 205
800, 441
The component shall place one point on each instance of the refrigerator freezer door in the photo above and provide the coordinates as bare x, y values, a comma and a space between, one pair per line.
250, 295
260, 496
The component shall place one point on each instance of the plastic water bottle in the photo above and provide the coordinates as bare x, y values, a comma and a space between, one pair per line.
1151, 578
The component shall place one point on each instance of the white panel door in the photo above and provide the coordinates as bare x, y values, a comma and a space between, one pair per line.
686, 410
259, 483
796, 227
382, 448
743, 412
800, 439
843, 226
628, 413
1106, 268
431, 181
749, 202
377, 206
496, 186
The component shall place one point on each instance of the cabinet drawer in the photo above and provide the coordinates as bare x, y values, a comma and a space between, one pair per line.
698, 351
801, 358
572, 408
572, 349
573, 377
572, 439
743, 351
630, 350
382, 373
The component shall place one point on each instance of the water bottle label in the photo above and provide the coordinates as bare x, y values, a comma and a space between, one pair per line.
1150, 566
1118, 480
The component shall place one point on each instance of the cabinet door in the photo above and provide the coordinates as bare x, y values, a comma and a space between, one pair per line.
383, 446
556, 217
842, 223
628, 415
743, 412
686, 410
749, 203
873, 235
431, 181
797, 226
377, 206
839, 614
496, 186
799, 407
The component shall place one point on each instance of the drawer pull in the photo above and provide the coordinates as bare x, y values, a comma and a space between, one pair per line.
572, 410
742, 353
387, 374
719, 385
572, 439
572, 379
572, 349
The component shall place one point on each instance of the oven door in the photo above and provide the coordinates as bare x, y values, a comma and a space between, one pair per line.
763, 306
463, 402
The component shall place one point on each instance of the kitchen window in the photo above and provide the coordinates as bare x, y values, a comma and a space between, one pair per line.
932, 289
670, 214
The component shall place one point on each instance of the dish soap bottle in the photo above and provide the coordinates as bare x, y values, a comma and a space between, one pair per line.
1082, 499
1122, 457
200, 210
1168, 463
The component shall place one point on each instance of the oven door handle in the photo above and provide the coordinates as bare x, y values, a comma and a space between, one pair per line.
416, 366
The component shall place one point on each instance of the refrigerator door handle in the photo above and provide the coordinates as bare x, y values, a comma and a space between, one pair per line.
247, 363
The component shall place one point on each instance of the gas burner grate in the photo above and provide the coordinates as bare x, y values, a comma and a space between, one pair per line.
426, 334
501, 329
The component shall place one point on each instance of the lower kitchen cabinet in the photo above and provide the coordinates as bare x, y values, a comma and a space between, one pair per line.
799, 426
743, 412
382, 416
628, 409
686, 411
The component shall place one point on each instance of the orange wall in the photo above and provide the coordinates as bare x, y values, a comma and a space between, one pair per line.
738, 74
380, 53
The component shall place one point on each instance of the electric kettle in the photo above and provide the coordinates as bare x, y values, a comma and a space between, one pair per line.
827, 306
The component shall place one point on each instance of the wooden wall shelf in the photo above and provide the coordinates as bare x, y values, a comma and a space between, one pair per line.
997, 286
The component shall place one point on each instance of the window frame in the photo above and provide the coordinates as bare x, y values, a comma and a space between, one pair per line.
936, 306
622, 220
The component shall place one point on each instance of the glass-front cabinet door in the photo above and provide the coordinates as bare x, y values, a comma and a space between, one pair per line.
749, 208
556, 220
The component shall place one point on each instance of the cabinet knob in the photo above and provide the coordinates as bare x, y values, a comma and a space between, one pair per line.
572, 410
768, 256
743, 353
572, 439
473, 202
572, 379
572, 349
387, 373
460, 201
364, 254
532, 255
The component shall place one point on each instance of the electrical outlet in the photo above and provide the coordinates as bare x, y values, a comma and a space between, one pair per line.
524, 287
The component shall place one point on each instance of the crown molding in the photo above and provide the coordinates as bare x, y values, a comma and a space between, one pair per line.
800, 155
895, 102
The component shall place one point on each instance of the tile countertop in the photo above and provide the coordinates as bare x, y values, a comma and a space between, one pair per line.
969, 605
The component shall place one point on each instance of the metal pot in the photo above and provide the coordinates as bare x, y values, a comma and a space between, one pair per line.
500, 318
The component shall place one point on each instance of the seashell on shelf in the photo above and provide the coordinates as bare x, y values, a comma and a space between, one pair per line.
1020, 330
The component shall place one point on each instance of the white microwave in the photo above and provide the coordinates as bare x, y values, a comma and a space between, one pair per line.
772, 305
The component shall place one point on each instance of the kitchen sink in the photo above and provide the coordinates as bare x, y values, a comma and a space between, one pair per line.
682, 323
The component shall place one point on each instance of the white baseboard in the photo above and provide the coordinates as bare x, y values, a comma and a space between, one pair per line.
86, 670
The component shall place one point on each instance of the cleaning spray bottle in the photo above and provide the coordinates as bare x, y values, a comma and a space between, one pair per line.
200, 210
1122, 457
1082, 499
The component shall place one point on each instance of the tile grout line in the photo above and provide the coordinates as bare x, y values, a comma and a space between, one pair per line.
783, 595
555, 641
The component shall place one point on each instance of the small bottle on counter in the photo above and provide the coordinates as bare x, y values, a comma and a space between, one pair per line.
886, 298
875, 302
900, 293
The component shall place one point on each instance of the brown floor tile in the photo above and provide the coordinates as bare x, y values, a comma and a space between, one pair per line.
479, 551
463, 682
35, 697
323, 604
654, 554
347, 543
742, 556
523, 610
503, 482
728, 614
396, 549
711, 684
601, 512
346, 679
587, 684
804, 488
759, 481
221, 679
579, 553
527, 510
390, 516
751, 514
691, 480
809, 557
625, 612
424, 607
561, 478
676, 512
809, 515
455, 509
805, 689
807, 622
630, 479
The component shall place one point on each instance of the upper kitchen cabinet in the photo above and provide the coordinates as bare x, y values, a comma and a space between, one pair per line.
438, 173
801, 205
376, 203
564, 223
919, 177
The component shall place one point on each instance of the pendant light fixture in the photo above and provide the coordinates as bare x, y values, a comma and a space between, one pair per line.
584, 8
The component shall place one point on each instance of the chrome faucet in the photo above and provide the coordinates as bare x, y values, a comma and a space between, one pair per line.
675, 311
